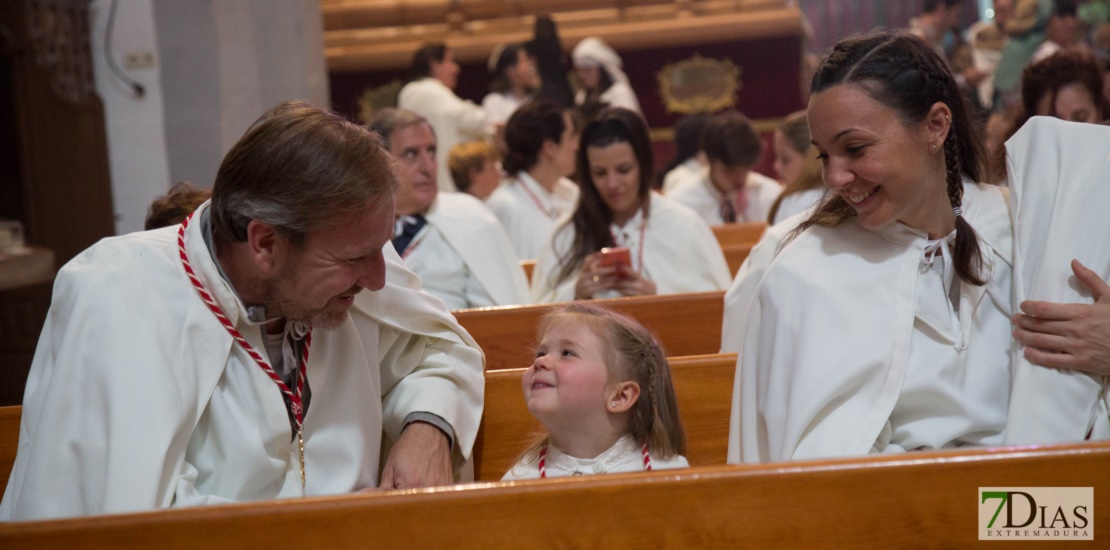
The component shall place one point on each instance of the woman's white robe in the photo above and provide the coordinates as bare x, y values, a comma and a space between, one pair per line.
680, 254
827, 341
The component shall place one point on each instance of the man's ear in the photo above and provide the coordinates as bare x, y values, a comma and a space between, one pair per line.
622, 397
264, 245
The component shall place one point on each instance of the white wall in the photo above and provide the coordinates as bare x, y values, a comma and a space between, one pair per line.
136, 138
217, 66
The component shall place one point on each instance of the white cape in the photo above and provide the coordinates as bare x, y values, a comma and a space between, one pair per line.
129, 358
1060, 180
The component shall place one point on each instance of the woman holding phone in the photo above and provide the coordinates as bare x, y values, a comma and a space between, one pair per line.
622, 240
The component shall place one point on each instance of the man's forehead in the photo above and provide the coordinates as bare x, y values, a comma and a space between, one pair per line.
419, 134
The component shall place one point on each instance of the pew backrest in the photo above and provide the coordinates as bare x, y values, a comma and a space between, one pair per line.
739, 233
686, 324
9, 441
703, 387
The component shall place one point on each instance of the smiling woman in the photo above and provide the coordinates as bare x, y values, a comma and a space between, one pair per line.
919, 260
671, 249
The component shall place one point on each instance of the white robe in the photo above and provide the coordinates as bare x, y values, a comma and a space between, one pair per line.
500, 106
620, 94
798, 202
133, 374
527, 223
624, 456
689, 169
1059, 180
464, 257
701, 196
740, 292
455, 120
830, 332
680, 254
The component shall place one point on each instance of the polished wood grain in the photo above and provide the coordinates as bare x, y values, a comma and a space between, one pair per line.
909, 500
686, 324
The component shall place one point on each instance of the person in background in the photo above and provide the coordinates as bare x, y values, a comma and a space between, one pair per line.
1068, 86
669, 248
729, 190
451, 240
542, 142
173, 207
689, 159
798, 168
430, 94
474, 168
551, 62
237, 358
514, 81
601, 386
599, 72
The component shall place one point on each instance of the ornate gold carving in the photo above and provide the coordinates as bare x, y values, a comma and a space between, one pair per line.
699, 85
59, 31
378, 97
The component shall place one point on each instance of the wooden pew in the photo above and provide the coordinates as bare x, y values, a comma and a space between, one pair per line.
686, 324
529, 266
735, 254
909, 500
739, 233
9, 441
703, 386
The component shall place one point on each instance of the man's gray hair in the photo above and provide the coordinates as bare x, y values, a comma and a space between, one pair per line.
299, 168
389, 120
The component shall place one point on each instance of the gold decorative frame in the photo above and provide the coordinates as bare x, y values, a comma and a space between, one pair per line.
699, 85
378, 97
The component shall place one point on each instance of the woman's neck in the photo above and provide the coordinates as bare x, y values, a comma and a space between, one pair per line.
621, 218
546, 175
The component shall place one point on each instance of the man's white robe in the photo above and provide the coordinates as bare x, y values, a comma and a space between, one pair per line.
827, 342
680, 254
700, 195
527, 223
454, 120
466, 229
138, 398
1060, 180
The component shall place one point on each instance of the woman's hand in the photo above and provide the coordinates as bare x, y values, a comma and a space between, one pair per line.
594, 278
1068, 336
635, 285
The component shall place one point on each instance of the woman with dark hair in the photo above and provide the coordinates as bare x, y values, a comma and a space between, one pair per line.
542, 142
430, 94
514, 80
883, 323
669, 248
798, 168
599, 73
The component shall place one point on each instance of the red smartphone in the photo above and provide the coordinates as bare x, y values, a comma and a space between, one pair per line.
619, 258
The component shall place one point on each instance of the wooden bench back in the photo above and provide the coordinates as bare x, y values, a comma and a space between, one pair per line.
9, 441
739, 233
703, 386
735, 254
907, 500
686, 324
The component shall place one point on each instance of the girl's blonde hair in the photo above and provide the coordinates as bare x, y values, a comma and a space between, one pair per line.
795, 128
631, 353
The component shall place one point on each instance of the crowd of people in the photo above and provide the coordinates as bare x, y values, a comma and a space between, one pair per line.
902, 298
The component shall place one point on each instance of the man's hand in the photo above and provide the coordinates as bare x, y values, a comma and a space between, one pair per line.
420, 458
1068, 336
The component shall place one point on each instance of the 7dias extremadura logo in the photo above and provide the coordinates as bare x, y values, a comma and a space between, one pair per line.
1036, 513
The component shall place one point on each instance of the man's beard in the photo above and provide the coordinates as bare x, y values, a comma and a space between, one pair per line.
280, 300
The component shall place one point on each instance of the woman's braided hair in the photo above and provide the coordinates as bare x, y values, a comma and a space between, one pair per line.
906, 75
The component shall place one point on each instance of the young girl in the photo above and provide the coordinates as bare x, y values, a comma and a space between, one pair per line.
601, 386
